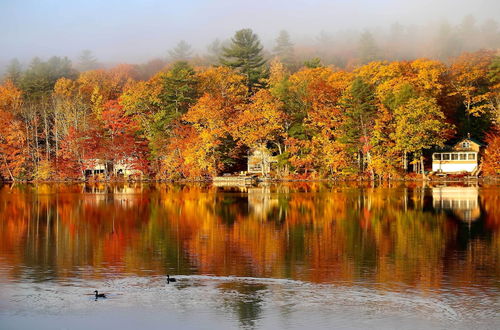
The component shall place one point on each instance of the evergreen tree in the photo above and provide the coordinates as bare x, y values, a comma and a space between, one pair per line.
14, 71
367, 48
179, 88
39, 79
284, 48
467, 32
313, 63
87, 61
245, 54
181, 52
360, 109
494, 71
447, 43
178, 93
214, 51
494, 79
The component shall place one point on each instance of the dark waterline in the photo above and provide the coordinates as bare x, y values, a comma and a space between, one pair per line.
424, 256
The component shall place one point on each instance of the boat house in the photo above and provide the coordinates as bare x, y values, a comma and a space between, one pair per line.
461, 157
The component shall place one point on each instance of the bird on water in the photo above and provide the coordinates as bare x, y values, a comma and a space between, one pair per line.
170, 279
99, 295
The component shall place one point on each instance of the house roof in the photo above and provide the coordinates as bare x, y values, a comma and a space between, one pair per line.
449, 147
472, 140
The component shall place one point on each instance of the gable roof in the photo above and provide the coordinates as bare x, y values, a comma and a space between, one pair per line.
450, 146
469, 139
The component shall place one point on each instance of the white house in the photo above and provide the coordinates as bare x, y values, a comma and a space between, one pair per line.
462, 157
119, 168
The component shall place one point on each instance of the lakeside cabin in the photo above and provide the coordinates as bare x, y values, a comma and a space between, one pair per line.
259, 164
459, 158
122, 168
260, 160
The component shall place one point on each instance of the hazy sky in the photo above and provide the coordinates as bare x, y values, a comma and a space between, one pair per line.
136, 30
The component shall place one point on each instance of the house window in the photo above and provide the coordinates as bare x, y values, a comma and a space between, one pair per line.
454, 156
437, 156
465, 145
463, 156
446, 156
472, 156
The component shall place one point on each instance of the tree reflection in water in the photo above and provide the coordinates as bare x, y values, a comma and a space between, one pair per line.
429, 238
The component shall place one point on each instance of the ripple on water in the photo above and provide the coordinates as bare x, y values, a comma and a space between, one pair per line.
259, 298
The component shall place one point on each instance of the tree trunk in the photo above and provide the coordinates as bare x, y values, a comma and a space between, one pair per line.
28, 151
35, 158
47, 136
56, 132
422, 166
8, 169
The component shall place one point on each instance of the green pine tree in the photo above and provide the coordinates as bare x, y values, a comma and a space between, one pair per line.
360, 109
367, 48
284, 49
39, 79
313, 63
178, 93
245, 54
179, 88
87, 61
13, 71
214, 52
181, 52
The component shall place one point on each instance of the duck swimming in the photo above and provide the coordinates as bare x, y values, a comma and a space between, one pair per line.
99, 295
170, 279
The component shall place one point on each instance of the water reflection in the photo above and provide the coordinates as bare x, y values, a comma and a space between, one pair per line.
461, 201
388, 237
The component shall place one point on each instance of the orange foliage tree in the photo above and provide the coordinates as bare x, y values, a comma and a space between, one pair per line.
196, 122
13, 152
491, 159
12, 146
212, 117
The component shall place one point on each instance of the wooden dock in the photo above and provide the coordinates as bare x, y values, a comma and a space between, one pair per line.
233, 180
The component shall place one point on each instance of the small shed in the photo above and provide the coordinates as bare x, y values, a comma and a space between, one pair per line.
461, 157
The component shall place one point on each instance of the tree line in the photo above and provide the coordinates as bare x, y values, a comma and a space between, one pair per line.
191, 121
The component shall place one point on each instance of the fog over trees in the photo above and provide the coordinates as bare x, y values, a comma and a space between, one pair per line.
343, 33
362, 100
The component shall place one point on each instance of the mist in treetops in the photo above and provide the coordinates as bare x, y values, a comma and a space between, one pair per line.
341, 33
367, 101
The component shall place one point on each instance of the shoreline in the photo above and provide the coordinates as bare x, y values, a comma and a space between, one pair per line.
335, 180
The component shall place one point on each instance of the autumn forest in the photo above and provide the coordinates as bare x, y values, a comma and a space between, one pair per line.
370, 117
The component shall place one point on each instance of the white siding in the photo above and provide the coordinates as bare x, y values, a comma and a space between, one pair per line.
451, 167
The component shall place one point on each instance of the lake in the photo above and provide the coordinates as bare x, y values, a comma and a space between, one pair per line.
289, 255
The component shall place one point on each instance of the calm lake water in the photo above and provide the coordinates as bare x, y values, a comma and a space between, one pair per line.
278, 256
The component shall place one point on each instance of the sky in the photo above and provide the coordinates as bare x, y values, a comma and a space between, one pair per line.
137, 30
